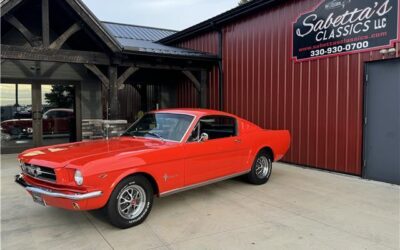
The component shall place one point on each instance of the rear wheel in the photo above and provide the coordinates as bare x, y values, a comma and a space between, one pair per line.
261, 169
130, 202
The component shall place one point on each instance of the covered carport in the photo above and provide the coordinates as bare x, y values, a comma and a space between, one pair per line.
112, 71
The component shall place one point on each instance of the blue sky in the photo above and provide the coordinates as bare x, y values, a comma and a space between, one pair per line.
171, 14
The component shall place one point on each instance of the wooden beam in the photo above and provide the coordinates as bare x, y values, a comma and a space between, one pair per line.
37, 114
192, 78
25, 70
6, 6
94, 24
59, 42
29, 37
53, 55
113, 95
203, 89
128, 72
45, 24
95, 70
78, 112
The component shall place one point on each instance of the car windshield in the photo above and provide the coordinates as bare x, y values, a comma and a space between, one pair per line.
164, 126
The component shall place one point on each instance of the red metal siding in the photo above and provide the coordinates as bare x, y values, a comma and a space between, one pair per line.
320, 101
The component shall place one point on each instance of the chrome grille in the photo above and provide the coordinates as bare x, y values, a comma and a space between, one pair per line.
39, 172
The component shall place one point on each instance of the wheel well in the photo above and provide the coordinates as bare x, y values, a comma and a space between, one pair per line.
269, 151
150, 179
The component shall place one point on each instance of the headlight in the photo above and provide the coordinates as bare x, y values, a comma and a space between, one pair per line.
78, 177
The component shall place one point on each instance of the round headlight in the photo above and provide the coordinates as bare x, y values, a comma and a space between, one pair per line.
78, 177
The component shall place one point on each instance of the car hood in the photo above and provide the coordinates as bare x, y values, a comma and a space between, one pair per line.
82, 152
16, 120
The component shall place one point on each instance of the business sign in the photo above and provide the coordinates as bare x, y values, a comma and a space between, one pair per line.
337, 27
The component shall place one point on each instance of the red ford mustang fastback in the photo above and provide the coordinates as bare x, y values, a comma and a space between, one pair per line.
162, 153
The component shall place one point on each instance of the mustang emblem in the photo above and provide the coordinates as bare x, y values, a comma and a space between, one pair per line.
166, 177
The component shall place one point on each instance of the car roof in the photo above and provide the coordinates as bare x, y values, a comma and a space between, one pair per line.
194, 111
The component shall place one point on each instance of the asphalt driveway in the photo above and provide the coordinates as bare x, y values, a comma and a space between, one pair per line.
297, 209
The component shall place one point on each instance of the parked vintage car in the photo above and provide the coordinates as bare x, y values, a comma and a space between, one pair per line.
162, 153
55, 121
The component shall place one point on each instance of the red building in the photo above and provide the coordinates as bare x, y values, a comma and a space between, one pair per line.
321, 99
327, 70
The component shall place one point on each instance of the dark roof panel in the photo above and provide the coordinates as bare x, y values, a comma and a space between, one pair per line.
140, 39
152, 47
119, 30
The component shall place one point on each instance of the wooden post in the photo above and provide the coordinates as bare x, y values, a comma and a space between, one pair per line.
203, 89
78, 112
37, 115
45, 23
142, 89
16, 95
113, 91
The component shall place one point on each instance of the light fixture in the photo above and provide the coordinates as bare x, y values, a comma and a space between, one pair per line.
392, 51
383, 51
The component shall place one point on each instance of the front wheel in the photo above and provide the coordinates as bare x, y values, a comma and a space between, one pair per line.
130, 202
261, 169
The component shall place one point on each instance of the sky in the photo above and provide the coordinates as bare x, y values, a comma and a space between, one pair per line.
169, 14
7, 94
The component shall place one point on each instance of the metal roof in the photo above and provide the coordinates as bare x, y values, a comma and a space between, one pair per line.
140, 39
120, 30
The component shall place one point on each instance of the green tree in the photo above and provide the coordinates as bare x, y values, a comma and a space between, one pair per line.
243, 1
60, 96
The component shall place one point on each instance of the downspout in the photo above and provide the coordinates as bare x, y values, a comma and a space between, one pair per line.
220, 70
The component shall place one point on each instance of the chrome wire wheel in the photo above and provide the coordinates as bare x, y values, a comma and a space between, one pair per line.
131, 201
263, 166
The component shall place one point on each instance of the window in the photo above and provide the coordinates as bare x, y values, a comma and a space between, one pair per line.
161, 125
215, 126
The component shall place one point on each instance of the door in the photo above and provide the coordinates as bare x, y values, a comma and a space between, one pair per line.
222, 154
382, 111
58, 108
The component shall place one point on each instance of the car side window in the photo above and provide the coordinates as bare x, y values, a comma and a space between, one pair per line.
63, 114
216, 127
49, 115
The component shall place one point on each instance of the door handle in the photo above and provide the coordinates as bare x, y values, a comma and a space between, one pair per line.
237, 140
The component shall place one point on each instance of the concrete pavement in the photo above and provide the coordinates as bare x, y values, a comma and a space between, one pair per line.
297, 209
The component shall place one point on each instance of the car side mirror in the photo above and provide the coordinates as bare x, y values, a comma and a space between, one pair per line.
203, 137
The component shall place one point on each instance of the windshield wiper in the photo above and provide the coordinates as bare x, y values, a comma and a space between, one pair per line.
156, 135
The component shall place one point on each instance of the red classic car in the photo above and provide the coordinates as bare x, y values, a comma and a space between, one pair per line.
162, 153
55, 121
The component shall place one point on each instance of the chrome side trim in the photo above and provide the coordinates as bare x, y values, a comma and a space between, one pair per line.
174, 191
19, 179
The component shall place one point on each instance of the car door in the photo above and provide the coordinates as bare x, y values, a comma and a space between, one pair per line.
221, 155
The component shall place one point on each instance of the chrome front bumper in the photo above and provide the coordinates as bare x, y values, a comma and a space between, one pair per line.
20, 180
